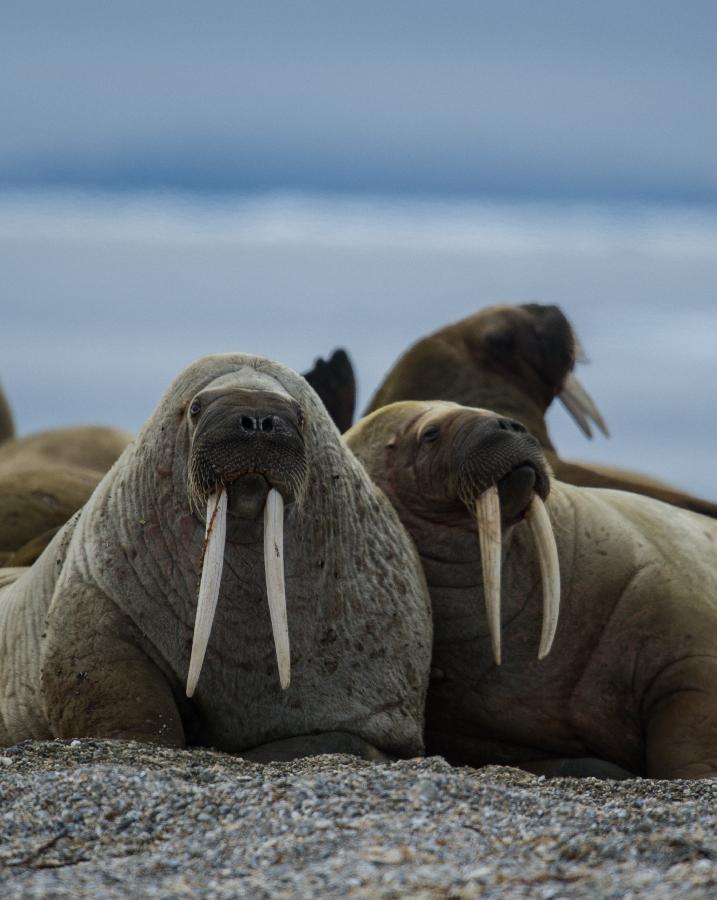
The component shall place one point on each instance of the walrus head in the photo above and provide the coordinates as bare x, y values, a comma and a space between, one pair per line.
512, 359
247, 458
457, 467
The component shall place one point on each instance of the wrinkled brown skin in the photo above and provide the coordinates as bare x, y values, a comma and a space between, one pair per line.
44, 479
95, 638
513, 360
632, 676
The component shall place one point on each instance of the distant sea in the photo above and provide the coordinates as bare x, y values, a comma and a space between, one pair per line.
106, 297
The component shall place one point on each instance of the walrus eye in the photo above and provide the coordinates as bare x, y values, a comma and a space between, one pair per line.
430, 434
195, 408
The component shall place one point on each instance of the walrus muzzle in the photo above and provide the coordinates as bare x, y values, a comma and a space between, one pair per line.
247, 451
496, 462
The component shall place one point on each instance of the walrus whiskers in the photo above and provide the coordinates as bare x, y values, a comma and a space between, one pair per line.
544, 538
489, 536
275, 590
212, 564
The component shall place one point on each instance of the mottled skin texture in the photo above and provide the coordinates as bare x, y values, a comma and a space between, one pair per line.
632, 676
95, 638
514, 360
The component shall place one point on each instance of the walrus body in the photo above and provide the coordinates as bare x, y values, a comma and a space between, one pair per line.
632, 675
45, 478
90, 447
516, 360
96, 636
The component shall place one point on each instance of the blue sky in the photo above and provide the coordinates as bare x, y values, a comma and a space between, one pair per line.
557, 98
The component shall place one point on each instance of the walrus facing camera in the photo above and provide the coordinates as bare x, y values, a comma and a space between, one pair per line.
247, 441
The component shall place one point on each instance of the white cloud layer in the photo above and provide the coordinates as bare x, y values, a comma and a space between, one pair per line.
105, 299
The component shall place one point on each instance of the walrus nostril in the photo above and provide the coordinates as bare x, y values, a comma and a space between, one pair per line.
511, 425
248, 423
267, 424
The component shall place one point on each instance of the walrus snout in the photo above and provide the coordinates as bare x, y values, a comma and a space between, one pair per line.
248, 441
489, 449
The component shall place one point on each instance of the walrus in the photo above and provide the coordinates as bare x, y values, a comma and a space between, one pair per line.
632, 675
7, 423
516, 360
147, 618
47, 476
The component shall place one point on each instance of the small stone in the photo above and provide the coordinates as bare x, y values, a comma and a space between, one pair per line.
388, 856
425, 790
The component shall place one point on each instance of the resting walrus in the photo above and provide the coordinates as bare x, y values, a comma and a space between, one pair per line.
97, 635
45, 478
632, 676
516, 360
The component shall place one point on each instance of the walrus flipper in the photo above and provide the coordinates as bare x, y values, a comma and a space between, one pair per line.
681, 720
335, 383
98, 679
314, 745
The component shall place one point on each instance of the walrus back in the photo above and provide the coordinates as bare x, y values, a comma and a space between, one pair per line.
25, 597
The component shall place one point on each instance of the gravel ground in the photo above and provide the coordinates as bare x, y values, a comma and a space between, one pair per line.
103, 818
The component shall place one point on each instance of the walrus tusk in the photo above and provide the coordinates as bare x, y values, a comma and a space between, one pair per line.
276, 594
581, 406
212, 564
489, 537
544, 538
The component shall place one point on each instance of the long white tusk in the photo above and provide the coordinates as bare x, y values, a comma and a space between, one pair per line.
581, 406
544, 538
489, 537
579, 351
276, 593
212, 564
